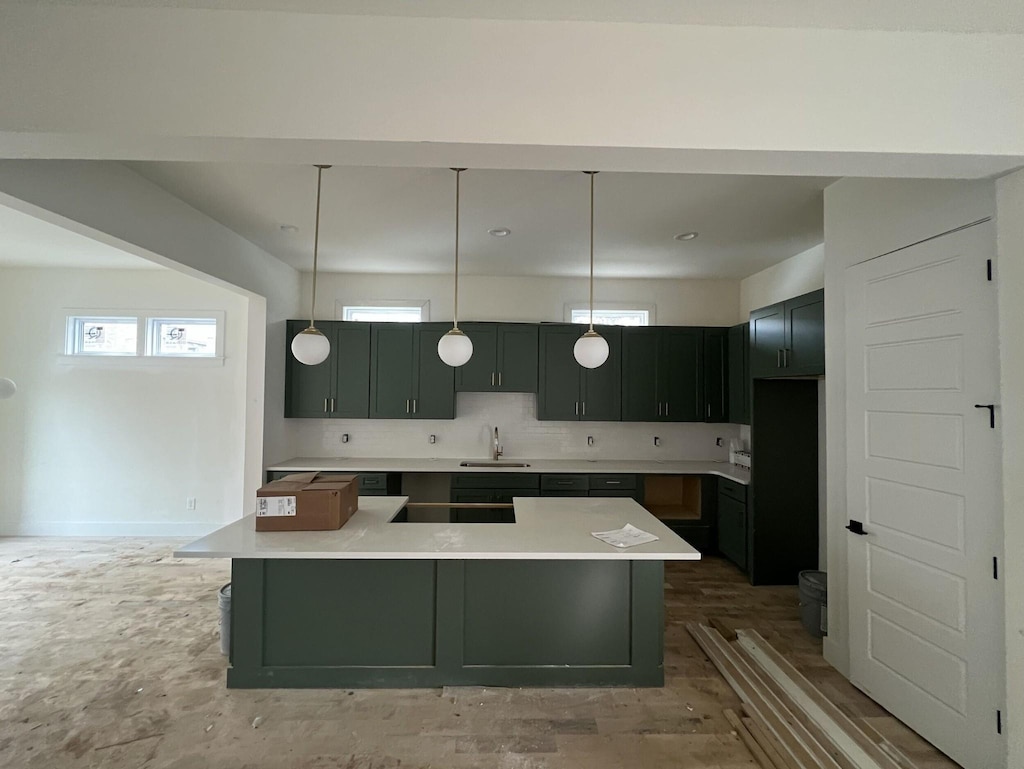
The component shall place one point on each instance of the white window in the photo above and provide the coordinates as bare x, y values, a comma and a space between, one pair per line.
626, 317
378, 313
143, 335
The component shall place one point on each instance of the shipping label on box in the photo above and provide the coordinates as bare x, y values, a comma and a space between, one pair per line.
275, 507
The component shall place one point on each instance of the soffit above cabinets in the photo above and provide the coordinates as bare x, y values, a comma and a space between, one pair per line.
399, 220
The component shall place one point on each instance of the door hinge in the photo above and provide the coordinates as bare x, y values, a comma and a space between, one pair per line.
988, 268
995, 567
999, 722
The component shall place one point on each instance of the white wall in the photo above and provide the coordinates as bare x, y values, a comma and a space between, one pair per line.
108, 447
105, 81
678, 302
1010, 276
797, 275
865, 218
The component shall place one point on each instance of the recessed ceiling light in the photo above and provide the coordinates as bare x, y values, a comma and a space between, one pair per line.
289, 228
686, 236
499, 232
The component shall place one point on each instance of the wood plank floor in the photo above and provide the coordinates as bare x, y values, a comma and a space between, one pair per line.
109, 657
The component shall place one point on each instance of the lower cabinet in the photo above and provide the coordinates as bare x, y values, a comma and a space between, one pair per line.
732, 522
490, 489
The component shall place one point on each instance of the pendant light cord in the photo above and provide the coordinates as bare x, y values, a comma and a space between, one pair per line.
316, 244
458, 177
591, 174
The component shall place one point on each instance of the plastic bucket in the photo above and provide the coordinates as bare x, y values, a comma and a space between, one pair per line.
224, 604
814, 602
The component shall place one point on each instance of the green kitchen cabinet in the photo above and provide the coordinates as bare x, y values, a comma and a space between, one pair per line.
569, 392
338, 387
504, 358
788, 339
739, 374
407, 378
663, 374
716, 375
732, 521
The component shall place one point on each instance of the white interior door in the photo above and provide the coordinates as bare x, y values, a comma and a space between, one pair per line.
924, 481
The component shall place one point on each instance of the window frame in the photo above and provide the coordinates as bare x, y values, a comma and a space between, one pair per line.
69, 322
575, 307
342, 309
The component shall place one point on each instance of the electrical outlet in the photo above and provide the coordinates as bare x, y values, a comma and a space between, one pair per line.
433, 439
344, 437
190, 503
657, 441
590, 440
718, 442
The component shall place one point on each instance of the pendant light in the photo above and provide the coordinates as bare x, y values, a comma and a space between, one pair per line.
455, 348
311, 346
591, 349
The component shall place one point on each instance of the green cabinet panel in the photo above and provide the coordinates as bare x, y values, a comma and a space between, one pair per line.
479, 374
642, 400
788, 339
601, 391
663, 374
732, 530
558, 396
683, 355
739, 374
338, 387
433, 379
805, 335
504, 358
407, 378
767, 340
716, 375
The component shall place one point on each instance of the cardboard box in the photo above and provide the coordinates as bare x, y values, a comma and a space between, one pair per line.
307, 502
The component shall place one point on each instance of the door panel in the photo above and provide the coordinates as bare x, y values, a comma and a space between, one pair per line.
308, 389
480, 373
558, 396
739, 375
517, 358
716, 375
682, 355
434, 382
351, 353
640, 358
805, 335
602, 386
926, 620
391, 370
767, 340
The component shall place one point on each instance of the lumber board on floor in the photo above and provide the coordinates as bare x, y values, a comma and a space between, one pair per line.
769, 743
755, 750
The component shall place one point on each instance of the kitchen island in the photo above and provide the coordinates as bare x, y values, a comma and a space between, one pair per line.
380, 603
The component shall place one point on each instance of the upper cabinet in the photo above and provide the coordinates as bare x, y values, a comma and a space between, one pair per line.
788, 339
338, 387
407, 378
716, 375
504, 358
739, 374
569, 392
663, 374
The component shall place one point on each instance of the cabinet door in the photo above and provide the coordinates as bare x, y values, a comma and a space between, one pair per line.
767, 341
732, 530
558, 395
682, 374
640, 353
391, 370
716, 375
517, 358
739, 375
308, 389
480, 374
350, 350
601, 393
805, 335
434, 380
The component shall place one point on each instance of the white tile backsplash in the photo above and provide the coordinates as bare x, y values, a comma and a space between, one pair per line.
469, 436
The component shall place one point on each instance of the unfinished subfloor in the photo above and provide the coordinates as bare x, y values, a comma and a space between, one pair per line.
109, 656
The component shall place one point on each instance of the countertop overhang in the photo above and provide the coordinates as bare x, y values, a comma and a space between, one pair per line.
546, 528
428, 465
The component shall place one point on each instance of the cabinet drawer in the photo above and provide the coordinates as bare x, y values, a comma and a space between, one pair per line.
733, 490
564, 482
613, 482
371, 481
564, 493
496, 481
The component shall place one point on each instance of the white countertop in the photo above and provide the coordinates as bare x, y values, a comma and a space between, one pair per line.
546, 528
427, 465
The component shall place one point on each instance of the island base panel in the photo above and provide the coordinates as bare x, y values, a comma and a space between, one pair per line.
424, 623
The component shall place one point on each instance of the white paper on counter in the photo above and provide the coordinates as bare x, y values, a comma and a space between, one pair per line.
628, 536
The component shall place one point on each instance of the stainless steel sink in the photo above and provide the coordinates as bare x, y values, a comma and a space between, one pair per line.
498, 463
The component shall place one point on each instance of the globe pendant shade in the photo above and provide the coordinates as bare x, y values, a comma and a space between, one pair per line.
7, 388
311, 347
590, 350
455, 348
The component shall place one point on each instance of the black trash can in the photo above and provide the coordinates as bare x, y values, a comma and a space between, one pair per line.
814, 602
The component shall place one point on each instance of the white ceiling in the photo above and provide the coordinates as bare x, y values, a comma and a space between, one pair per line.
401, 220
998, 16
26, 241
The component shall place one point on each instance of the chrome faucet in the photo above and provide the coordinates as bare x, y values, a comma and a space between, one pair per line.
496, 454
